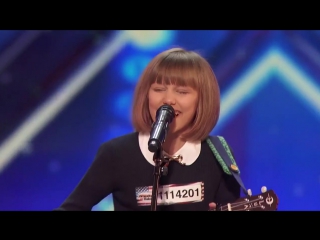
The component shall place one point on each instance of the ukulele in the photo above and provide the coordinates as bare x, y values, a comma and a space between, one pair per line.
266, 201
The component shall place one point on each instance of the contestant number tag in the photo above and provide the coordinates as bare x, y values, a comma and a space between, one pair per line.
172, 194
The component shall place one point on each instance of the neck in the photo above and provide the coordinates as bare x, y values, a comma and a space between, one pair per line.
172, 144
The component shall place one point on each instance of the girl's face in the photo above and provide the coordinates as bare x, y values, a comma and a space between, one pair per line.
183, 99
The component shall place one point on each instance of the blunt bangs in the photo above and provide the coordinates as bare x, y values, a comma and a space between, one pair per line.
178, 69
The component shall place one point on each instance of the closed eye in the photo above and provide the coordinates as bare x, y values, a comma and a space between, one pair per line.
158, 89
183, 92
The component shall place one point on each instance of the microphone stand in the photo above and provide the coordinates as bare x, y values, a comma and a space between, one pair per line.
159, 160
164, 116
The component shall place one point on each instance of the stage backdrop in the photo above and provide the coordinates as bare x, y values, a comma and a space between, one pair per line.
270, 108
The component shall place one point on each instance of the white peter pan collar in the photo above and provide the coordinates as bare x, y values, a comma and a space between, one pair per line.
189, 151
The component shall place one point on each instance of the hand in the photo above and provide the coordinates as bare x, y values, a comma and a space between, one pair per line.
212, 206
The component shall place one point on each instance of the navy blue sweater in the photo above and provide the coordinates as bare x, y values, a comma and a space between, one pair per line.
120, 169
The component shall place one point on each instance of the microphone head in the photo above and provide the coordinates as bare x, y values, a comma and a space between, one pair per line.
168, 109
164, 116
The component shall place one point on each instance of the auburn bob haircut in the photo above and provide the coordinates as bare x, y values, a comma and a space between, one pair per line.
180, 67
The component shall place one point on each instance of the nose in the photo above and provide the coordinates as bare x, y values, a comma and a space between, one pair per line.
169, 98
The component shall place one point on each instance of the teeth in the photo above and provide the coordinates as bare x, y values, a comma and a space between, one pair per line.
177, 113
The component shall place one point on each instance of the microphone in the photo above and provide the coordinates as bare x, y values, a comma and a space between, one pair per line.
164, 116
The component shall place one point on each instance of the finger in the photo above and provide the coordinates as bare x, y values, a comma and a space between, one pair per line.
212, 206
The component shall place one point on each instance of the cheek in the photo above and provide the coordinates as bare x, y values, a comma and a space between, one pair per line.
152, 113
152, 110
153, 104
193, 111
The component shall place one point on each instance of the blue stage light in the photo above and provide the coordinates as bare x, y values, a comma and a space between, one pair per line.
150, 39
133, 67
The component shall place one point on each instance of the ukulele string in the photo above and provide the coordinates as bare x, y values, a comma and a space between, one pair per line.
240, 209
237, 204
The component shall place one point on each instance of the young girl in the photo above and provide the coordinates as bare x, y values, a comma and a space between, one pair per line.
124, 167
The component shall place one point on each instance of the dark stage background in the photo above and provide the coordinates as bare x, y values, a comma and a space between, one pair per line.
63, 93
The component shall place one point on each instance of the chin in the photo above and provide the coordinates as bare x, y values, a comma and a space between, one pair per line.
175, 130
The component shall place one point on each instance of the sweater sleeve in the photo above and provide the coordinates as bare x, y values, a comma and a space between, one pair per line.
96, 184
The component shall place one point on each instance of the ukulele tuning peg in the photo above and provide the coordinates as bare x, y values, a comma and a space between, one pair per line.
263, 189
249, 192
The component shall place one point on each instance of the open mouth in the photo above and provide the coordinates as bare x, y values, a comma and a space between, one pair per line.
177, 113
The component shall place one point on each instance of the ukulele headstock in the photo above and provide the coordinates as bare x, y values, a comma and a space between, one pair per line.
265, 201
